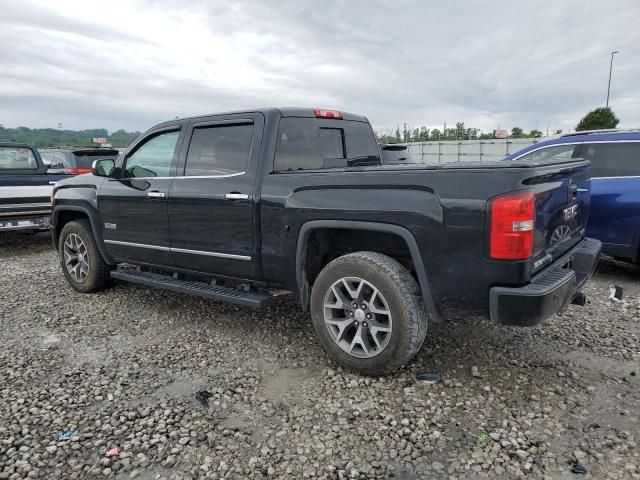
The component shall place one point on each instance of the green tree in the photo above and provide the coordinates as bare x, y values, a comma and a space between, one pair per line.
535, 134
602, 117
516, 132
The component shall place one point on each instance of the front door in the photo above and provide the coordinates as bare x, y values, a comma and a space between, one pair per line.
211, 202
133, 206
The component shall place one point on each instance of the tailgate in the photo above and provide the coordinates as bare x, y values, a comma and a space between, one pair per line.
562, 207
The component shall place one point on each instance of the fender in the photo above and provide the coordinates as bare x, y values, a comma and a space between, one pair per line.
92, 221
301, 256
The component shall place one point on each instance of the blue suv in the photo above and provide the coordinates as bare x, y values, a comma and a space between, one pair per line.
614, 215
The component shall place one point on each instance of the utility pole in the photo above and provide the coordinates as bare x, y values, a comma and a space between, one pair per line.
610, 69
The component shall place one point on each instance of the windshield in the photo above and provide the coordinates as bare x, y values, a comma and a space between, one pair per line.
17, 158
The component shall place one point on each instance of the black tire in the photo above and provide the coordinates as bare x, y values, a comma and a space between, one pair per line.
405, 304
98, 275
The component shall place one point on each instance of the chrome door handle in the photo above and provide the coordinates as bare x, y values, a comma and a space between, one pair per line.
155, 195
236, 196
582, 190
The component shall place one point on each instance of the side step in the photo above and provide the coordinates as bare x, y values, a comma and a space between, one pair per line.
200, 289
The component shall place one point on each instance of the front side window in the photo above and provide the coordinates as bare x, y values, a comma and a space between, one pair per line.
616, 159
17, 158
219, 150
563, 152
154, 157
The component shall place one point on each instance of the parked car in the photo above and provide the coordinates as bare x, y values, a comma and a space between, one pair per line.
231, 205
74, 161
25, 188
614, 215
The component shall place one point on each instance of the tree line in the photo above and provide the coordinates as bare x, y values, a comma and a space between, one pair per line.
599, 118
52, 137
459, 132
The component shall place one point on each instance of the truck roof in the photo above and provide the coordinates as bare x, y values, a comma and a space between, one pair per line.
304, 112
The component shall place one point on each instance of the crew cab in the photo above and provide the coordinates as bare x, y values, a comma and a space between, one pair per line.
25, 188
236, 205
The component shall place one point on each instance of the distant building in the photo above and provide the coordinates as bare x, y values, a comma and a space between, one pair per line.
500, 134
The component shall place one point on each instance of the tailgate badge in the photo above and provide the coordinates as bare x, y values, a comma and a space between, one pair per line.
110, 226
570, 213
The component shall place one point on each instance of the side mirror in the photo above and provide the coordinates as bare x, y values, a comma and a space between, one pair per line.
103, 167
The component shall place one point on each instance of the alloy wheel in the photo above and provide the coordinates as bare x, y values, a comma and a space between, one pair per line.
357, 317
75, 258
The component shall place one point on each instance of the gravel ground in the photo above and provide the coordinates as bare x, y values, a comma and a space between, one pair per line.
121, 369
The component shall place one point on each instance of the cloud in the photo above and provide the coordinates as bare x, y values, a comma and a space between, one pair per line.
133, 64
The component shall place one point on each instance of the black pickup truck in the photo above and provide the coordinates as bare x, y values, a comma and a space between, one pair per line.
25, 188
235, 205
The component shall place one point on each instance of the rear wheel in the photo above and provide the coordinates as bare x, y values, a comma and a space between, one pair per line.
82, 264
368, 312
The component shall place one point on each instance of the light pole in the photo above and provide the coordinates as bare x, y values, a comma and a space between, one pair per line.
610, 68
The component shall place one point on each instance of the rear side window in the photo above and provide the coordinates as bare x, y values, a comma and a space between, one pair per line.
618, 159
219, 150
557, 151
310, 144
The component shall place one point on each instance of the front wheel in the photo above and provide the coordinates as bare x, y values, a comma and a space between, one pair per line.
82, 264
368, 312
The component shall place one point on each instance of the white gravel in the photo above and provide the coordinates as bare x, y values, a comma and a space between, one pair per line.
121, 369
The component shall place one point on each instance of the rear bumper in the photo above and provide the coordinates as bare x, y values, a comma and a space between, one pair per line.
549, 292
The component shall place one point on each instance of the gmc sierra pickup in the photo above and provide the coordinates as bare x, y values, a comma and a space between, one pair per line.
25, 188
233, 205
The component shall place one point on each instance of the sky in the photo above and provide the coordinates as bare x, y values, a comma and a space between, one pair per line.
131, 64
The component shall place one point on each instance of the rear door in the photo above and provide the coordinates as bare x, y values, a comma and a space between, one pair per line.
615, 191
212, 200
133, 206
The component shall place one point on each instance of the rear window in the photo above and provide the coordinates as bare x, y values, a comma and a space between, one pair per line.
311, 144
84, 159
618, 159
17, 158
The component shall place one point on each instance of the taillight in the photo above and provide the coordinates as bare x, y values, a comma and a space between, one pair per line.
512, 226
322, 113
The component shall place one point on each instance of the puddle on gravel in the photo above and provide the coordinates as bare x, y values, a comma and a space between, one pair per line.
287, 382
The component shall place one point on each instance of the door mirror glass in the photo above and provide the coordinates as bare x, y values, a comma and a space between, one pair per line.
103, 167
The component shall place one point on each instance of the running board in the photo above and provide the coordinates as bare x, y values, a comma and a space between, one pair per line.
200, 289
